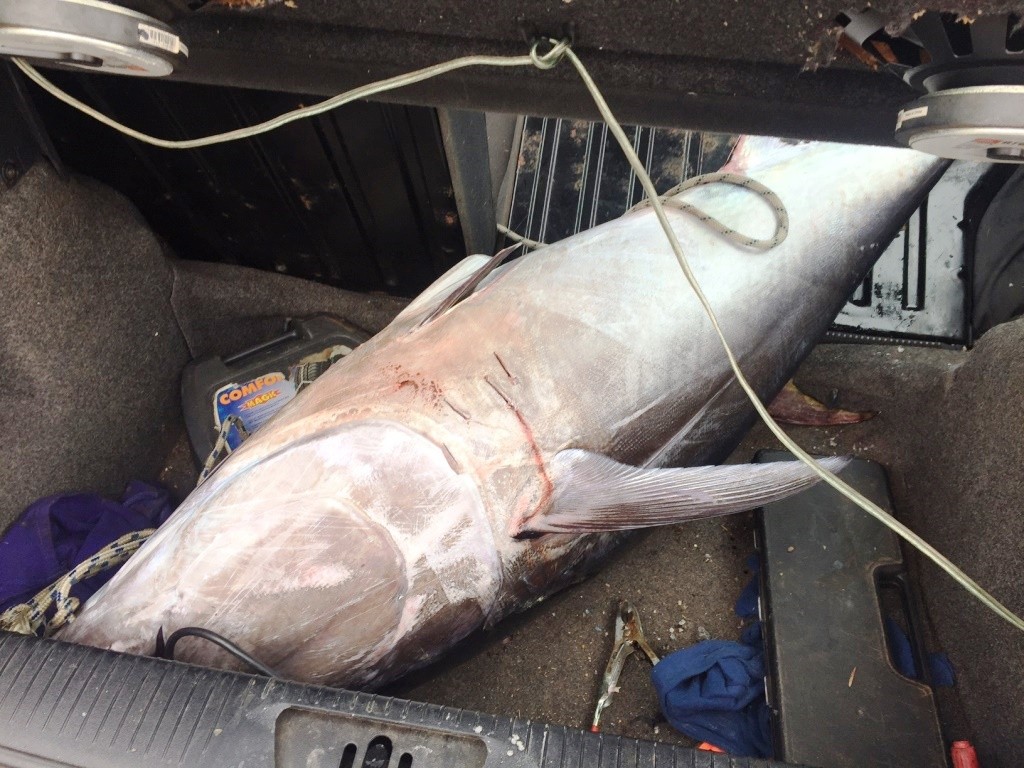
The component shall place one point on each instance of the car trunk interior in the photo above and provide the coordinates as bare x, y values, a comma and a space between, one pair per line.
120, 264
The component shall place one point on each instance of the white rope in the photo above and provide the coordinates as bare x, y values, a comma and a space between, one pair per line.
557, 51
362, 92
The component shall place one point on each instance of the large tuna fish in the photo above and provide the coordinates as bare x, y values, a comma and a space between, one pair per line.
456, 468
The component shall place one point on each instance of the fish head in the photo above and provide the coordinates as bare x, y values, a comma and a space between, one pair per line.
355, 549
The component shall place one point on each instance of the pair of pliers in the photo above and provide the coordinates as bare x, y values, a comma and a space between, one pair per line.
629, 637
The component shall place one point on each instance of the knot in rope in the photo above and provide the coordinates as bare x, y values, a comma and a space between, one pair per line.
549, 59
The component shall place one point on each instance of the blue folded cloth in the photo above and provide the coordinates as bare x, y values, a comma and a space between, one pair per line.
714, 691
57, 533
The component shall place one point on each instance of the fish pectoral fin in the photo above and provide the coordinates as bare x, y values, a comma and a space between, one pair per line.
593, 493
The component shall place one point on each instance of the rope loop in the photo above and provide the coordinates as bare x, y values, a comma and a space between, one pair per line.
670, 200
552, 56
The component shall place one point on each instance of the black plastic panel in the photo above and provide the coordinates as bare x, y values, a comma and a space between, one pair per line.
63, 704
360, 197
335, 738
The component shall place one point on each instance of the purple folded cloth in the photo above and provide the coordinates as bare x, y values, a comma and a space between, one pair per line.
57, 533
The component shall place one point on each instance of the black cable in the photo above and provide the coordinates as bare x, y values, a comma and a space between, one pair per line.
167, 651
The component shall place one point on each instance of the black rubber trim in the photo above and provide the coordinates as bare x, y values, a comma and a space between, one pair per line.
68, 705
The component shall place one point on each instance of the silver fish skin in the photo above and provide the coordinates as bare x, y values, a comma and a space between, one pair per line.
375, 521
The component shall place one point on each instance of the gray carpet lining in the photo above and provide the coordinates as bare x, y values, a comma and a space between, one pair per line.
967, 495
90, 351
96, 325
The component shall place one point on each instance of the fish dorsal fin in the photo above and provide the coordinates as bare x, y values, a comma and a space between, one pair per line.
450, 288
469, 285
442, 287
593, 493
